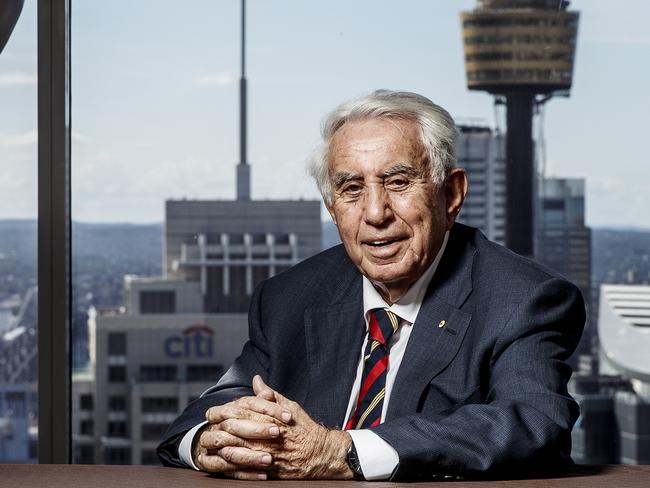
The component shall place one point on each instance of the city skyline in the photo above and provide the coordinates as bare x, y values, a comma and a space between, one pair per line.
155, 114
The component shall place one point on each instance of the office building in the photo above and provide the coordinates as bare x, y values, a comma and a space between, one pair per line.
595, 438
176, 334
481, 152
145, 368
227, 247
563, 241
522, 51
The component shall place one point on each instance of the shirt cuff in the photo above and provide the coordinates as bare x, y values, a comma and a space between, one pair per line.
185, 447
377, 457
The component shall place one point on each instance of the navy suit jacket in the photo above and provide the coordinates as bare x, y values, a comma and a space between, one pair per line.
484, 392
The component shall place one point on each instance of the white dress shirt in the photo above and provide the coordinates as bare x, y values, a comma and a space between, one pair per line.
378, 458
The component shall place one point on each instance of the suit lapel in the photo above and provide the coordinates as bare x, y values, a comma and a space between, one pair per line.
434, 343
334, 335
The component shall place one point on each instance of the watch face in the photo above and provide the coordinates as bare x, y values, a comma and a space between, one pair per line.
353, 462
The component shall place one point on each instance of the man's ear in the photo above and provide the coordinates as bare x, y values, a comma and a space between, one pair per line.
455, 190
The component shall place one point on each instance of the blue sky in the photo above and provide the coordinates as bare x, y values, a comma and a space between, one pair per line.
154, 97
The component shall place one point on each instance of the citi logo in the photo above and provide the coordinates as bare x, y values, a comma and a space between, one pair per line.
195, 341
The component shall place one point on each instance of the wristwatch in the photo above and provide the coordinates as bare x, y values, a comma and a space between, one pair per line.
352, 459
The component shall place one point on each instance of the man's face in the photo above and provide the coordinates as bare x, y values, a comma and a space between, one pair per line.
390, 216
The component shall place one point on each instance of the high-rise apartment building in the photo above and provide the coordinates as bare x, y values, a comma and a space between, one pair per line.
481, 152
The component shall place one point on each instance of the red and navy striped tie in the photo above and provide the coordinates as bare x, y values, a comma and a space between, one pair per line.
367, 413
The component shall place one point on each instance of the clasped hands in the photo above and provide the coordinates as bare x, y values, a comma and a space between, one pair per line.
269, 436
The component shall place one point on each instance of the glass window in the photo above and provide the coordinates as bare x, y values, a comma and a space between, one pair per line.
207, 373
86, 427
153, 432
116, 344
18, 236
117, 455
154, 373
116, 374
117, 403
157, 302
117, 428
162, 247
86, 402
84, 454
159, 404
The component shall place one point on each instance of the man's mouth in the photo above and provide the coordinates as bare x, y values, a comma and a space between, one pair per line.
384, 242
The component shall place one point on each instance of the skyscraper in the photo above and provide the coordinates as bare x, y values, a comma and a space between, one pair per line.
563, 241
481, 153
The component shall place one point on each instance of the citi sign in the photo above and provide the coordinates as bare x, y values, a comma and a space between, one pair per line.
194, 341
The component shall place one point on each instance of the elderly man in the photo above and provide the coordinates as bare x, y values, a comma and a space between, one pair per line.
416, 349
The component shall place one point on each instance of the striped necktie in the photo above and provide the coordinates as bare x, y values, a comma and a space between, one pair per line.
367, 413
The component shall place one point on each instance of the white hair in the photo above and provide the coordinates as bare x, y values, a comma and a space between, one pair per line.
438, 131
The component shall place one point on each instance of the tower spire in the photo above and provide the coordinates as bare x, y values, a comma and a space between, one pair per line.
243, 168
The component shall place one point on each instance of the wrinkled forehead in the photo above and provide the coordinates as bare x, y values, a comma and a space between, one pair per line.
379, 142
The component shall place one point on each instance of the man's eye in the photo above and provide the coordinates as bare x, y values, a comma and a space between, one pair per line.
397, 183
351, 189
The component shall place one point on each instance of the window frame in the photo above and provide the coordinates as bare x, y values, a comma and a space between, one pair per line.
54, 283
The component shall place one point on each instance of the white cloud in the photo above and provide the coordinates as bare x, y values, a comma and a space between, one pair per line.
17, 78
29, 138
218, 79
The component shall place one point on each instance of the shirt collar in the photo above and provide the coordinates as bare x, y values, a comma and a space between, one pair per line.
408, 306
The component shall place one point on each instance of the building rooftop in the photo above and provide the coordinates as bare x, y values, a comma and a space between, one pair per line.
624, 331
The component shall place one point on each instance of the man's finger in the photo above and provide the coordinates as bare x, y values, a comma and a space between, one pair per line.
212, 463
249, 429
264, 406
234, 410
217, 439
244, 457
262, 390
251, 408
247, 475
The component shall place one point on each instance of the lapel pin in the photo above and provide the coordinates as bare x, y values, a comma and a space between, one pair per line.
441, 324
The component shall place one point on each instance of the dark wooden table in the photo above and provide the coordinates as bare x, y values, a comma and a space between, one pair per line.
75, 475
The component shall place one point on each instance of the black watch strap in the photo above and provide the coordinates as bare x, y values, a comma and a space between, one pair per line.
353, 461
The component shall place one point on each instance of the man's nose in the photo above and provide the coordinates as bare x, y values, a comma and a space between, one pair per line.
377, 209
